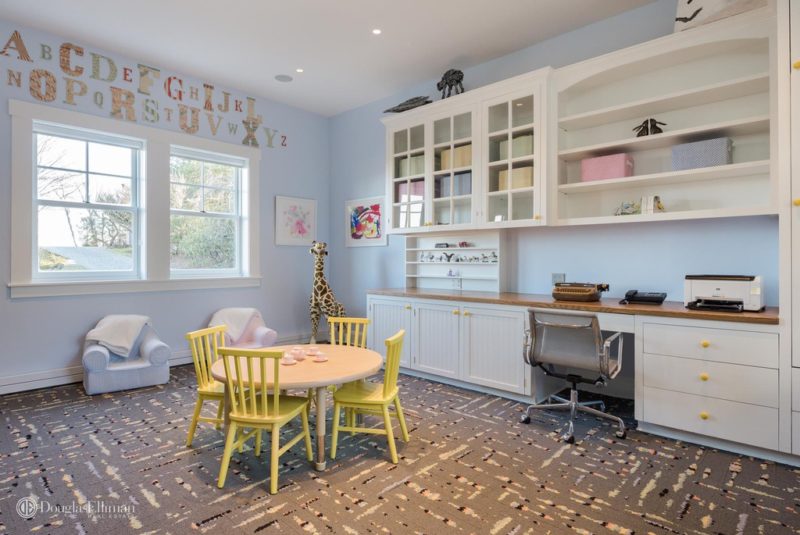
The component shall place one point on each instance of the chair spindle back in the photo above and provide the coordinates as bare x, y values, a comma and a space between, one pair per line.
248, 382
348, 331
205, 345
394, 347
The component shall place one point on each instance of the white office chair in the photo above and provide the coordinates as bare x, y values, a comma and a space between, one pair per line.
573, 341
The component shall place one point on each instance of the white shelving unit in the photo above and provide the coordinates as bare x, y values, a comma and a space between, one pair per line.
478, 266
709, 82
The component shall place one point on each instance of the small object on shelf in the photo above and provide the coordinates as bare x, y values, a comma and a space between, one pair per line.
629, 208
578, 291
451, 81
707, 153
651, 204
409, 104
442, 245
493, 257
646, 298
648, 127
604, 167
449, 256
464, 244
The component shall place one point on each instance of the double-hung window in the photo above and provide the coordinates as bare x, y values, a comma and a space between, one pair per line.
86, 222
205, 213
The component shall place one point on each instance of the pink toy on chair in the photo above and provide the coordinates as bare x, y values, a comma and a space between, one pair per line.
246, 328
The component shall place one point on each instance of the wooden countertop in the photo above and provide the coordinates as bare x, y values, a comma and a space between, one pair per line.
670, 309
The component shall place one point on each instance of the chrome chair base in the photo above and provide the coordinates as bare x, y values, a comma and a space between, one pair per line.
574, 406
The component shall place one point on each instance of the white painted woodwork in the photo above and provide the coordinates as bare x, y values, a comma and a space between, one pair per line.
437, 338
729, 420
796, 433
796, 389
387, 317
492, 345
793, 211
745, 384
736, 346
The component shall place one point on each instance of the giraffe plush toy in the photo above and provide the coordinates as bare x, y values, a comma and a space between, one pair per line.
322, 299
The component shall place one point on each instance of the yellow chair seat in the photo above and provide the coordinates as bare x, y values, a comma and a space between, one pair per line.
364, 393
288, 408
215, 389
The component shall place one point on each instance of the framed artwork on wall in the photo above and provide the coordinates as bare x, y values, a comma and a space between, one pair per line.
295, 221
365, 222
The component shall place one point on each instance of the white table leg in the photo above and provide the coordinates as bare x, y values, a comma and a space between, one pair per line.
322, 400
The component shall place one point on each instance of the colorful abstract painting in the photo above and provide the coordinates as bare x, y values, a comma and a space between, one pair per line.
295, 221
365, 222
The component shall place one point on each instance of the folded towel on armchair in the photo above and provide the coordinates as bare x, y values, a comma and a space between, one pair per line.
236, 319
118, 332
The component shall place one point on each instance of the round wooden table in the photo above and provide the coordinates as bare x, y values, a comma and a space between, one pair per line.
344, 364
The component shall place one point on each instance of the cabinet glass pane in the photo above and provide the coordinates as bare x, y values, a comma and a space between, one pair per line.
522, 111
441, 186
521, 176
462, 155
401, 192
498, 178
462, 126
400, 166
498, 208
498, 148
416, 190
522, 205
400, 141
415, 215
416, 164
417, 137
522, 144
462, 211
441, 212
441, 131
462, 183
442, 159
498, 117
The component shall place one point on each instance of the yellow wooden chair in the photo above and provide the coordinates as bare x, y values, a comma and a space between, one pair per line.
376, 398
204, 344
258, 406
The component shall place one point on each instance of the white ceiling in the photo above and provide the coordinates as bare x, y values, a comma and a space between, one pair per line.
243, 44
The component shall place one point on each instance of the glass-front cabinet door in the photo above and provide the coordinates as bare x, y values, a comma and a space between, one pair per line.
452, 170
511, 170
408, 177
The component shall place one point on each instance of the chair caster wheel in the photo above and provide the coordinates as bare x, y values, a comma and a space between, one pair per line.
621, 434
570, 439
525, 419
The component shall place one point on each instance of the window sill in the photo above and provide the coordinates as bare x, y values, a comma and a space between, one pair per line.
64, 288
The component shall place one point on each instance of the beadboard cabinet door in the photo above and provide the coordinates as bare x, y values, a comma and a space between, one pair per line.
389, 316
492, 346
437, 339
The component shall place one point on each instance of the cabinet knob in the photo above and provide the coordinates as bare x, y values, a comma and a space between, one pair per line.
705, 343
704, 415
467, 313
704, 376
456, 312
796, 202
796, 64
537, 217
408, 307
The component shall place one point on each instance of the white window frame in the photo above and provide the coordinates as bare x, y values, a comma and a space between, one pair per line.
155, 275
89, 136
241, 165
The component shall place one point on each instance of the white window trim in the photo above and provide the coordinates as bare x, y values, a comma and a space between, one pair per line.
155, 207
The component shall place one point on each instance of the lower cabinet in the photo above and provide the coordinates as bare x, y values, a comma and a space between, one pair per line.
477, 344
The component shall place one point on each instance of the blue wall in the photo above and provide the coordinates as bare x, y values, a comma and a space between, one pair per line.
646, 256
44, 335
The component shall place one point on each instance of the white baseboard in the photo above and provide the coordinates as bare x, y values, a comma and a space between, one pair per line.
74, 374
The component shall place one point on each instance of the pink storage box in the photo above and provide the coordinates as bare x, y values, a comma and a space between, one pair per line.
605, 167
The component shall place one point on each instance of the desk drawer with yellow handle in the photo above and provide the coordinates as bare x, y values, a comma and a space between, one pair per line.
745, 384
728, 420
735, 346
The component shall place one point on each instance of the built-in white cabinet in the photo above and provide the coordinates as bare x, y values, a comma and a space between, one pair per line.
470, 161
470, 343
710, 83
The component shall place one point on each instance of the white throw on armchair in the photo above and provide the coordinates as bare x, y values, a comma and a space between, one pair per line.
245, 328
124, 352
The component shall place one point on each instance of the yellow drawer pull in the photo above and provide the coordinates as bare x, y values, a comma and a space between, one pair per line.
796, 64
796, 202
537, 217
408, 307
704, 415
705, 343
467, 313
456, 312
704, 376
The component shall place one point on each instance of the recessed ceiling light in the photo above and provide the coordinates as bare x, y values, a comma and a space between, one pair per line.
283, 78
376, 31
298, 70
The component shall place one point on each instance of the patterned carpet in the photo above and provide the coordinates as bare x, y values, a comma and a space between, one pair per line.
469, 468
